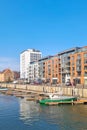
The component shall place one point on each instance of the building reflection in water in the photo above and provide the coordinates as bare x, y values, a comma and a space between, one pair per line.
33, 113
28, 111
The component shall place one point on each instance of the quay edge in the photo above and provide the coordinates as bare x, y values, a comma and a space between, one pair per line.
81, 92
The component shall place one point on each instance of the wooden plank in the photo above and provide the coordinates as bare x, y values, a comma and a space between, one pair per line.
51, 103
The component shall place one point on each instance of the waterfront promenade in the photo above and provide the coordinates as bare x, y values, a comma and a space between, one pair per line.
66, 90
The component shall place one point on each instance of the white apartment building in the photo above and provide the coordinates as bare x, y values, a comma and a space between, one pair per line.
33, 71
26, 57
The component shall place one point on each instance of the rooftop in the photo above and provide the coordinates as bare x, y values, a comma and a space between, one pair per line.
69, 50
31, 50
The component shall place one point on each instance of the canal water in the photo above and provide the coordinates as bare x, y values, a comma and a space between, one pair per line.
19, 114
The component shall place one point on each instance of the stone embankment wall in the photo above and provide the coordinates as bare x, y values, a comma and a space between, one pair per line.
81, 92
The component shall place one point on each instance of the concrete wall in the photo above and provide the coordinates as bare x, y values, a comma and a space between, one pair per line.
81, 92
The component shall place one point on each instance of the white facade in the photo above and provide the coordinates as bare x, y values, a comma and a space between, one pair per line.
33, 71
26, 57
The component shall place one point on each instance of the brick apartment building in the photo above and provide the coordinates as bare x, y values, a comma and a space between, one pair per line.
67, 66
6, 76
52, 70
78, 66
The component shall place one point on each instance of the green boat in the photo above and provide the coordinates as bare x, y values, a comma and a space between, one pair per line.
58, 98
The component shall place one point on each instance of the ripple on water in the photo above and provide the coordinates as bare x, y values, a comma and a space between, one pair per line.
19, 114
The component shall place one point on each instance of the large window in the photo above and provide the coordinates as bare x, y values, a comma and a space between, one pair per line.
78, 68
85, 61
79, 74
85, 67
85, 55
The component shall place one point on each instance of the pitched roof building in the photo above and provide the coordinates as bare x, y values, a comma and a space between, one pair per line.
6, 76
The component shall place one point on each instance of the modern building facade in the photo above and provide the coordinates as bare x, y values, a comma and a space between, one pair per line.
37, 69
33, 71
67, 66
26, 57
52, 70
78, 66
42, 67
57, 68
65, 63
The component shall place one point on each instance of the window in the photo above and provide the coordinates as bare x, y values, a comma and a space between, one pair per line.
85, 55
78, 68
78, 56
85, 68
79, 74
73, 68
85, 61
85, 74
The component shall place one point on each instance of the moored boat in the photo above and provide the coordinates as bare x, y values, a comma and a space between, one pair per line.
57, 98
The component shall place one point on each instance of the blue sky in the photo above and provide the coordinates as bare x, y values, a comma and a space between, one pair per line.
48, 25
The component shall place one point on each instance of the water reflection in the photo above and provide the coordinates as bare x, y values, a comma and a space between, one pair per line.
67, 117
30, 115
63, 117
28, 111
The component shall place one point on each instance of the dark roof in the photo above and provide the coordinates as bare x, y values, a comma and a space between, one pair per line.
34, 50
69, 50
45, 58
33, 62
